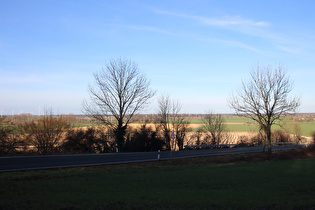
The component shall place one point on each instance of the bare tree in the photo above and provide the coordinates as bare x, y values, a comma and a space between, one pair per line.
119, 91
180, 125
215, 127
174, 125
265, 98
164, 110
46, 132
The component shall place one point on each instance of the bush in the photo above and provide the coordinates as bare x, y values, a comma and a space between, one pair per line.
91, 140
280, 136
257, 140
243, 141
246, 141
143, 140
10, 139
46, 132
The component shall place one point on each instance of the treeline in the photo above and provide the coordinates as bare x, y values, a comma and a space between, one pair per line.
27, 117
51, 134
138, 118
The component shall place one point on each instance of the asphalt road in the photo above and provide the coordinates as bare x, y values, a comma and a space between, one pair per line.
63, 161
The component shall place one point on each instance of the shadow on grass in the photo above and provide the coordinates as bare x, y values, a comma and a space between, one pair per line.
244, 181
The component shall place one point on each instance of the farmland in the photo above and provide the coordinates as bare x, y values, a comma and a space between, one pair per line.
295, 128
241, 181
233, 123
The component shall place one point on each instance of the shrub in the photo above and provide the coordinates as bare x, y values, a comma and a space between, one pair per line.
243, 141
144, 139
91, 140
280, 136
46, 132
10, 139
256, 140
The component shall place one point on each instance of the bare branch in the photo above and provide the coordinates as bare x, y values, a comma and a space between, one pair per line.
119, 90
265, 98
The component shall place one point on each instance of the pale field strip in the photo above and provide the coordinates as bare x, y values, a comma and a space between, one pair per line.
234, 137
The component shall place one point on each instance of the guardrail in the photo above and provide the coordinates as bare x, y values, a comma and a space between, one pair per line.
204, 146
284, 143
211, 146
280, 143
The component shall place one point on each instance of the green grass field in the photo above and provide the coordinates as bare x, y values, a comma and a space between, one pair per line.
307, 128
263, 185
248, 125
228, 119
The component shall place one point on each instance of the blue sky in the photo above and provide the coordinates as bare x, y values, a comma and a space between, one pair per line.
198, 52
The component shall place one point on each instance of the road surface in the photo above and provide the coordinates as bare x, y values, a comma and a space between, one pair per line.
63, 161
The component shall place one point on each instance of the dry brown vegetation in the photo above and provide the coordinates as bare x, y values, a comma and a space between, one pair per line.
13, 142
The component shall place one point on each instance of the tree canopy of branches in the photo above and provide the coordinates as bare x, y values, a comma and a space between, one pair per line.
46, 132
214, 125
172, 122
119, 91
265, 98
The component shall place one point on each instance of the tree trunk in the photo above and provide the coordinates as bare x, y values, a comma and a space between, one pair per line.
268, 132
119, 133
167, 138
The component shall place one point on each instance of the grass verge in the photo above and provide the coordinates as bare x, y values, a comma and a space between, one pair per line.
221, 182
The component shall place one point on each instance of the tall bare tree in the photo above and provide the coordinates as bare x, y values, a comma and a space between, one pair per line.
215, 127
179, 124
174, 124
164, 111
119, 91
265, 98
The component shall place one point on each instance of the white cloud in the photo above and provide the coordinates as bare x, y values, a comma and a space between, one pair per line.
220, 22
230, 21
235, 44
298, 44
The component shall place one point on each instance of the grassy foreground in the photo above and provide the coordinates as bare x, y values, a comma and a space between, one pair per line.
255, 185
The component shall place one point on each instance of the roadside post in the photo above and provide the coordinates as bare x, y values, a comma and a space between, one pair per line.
159, 154
116, 148
172, 137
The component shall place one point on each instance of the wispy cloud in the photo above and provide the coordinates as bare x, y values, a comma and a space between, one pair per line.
230, 21
290, 44
234, 44
220, 22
